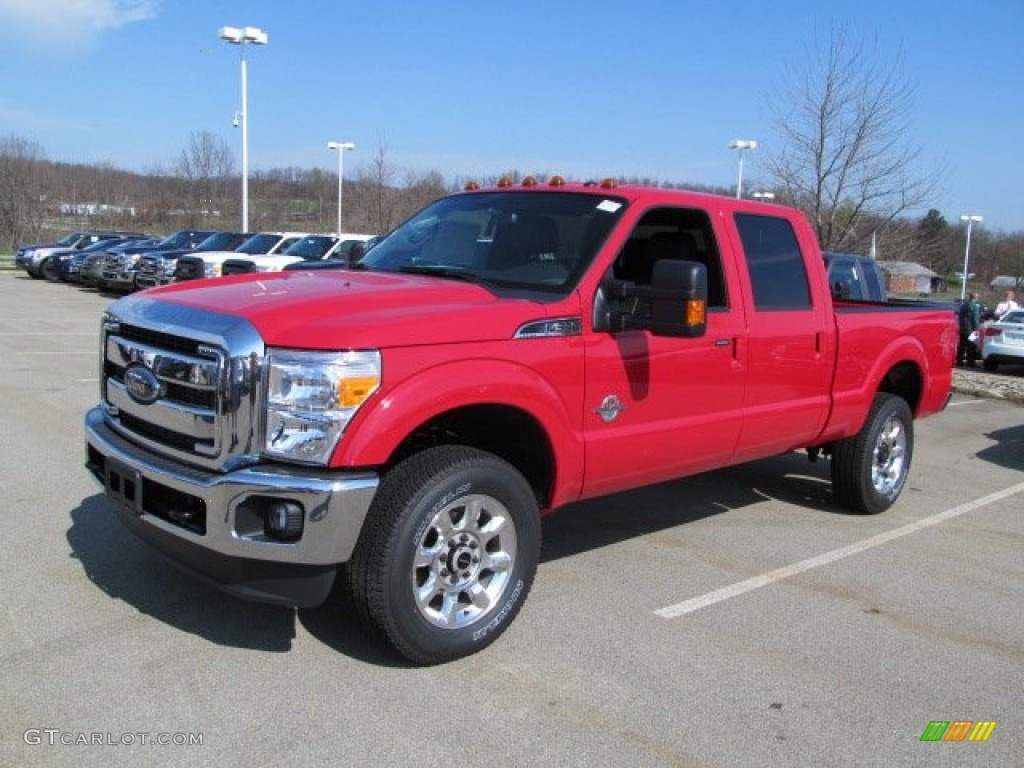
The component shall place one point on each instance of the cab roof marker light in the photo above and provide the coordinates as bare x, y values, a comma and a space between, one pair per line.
530, 181
556, 181
504, 182
609, 183
471, 186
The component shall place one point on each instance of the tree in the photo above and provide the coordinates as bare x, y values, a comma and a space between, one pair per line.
843, 158
21, 196
207, 163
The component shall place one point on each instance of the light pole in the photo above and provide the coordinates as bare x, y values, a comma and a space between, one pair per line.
341, 146
241, 38
970, 219
741, 144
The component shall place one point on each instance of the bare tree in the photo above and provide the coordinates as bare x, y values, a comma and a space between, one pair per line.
377, 183
844, 157
21, 193
207, 163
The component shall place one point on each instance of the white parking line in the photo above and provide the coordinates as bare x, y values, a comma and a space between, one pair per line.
764, 580
966, 402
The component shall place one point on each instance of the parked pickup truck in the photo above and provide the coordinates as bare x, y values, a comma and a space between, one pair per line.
210, 263
312, 248
504, 352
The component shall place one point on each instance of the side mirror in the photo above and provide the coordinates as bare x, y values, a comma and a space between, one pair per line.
674, 304
679, 298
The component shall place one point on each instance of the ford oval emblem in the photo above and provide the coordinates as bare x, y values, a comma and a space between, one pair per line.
142, 384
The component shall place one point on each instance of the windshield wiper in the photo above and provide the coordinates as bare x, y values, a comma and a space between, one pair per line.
442, 270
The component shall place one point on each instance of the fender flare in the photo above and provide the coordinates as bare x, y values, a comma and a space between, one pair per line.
389, 417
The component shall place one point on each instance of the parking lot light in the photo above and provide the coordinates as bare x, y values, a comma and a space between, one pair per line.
740, 145
970, 219
341, 146
242, 37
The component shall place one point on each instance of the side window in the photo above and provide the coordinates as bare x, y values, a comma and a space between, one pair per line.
672, 233
778, 274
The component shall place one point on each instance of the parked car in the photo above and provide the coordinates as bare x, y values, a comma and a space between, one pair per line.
402, 428
31, 258
1002, 340
311, 248
120, 269
61, 265
90, 271
853, 277
209, 263
341, 259
157, 268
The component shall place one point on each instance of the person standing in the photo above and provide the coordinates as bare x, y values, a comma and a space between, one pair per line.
969, 316
1007, 305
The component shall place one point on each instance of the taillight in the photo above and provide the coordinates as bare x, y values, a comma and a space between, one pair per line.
991, 331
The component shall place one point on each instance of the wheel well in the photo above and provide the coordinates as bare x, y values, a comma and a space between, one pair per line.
904, 380
505, 431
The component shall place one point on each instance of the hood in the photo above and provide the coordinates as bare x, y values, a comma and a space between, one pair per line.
357, 310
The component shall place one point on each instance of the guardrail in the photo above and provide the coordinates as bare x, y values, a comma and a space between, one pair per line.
6, 262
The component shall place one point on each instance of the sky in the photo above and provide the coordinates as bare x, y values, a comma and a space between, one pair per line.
651, 88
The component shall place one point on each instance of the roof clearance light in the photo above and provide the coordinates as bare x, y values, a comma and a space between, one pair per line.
609, 183
471, 186
504, 181
556, 181
530, 181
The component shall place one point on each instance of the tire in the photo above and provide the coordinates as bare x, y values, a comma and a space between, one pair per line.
447, 525
34, 273
50, 270
870, 468
990, 365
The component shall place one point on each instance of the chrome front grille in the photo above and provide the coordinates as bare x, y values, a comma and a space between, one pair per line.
206, 369
151, 265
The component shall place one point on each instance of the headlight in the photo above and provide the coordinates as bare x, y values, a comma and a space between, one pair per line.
311, 397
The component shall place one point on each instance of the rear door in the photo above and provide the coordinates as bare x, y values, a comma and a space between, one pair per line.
790, 342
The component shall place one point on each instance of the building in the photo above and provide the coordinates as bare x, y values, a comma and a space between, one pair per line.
910, 277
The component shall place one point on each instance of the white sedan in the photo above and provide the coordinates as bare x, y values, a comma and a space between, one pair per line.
1002, 341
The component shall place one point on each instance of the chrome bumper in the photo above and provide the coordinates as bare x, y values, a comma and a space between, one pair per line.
210, 522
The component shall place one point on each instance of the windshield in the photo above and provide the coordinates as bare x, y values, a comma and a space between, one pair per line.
539, 241
220, 241
312, 247
258, 244
175, 240
71, 239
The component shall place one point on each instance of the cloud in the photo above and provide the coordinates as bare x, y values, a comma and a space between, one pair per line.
73, 23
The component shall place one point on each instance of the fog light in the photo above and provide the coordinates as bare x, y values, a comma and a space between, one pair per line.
284, 520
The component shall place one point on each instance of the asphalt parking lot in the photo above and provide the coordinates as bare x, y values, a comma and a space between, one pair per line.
738, 618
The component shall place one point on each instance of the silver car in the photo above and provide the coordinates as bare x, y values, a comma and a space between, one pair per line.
1002, 341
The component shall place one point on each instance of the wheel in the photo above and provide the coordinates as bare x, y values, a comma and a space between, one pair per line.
989, 365
870, 468
447, 555
50, 270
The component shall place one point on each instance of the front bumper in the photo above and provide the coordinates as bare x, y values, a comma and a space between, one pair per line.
210, 523
152, 281
118, 280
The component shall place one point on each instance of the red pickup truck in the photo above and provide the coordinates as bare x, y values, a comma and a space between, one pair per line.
504, 352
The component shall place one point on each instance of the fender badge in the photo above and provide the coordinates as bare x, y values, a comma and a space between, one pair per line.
610, 408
